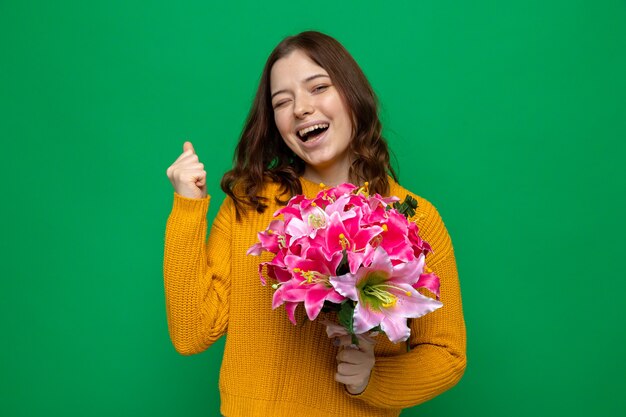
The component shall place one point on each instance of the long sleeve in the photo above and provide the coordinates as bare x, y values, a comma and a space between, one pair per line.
269, 365
436, 361
196, 274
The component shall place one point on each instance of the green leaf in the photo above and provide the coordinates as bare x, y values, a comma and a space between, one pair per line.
407, 207
346, 315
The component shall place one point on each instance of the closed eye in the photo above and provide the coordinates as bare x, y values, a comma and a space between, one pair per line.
281, 103
320, 88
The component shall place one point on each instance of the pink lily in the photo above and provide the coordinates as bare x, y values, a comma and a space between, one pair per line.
385, 295
311, 220
279, 299
394, 240
337, 191
269, 239
349, 235
428, 281
313, 296
419, 245
310, 282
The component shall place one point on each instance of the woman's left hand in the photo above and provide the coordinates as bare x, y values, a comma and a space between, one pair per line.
355, 363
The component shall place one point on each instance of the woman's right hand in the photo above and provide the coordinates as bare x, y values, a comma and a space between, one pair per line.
187, 174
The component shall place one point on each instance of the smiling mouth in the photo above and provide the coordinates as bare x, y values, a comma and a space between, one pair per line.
312, 132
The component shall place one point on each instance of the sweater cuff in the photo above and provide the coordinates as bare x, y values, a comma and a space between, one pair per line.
190, 205
375, 391
367, 392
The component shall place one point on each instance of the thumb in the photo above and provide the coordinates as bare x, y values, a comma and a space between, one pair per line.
366, 339
187, 146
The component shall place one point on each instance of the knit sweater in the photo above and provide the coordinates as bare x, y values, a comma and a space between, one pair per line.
273, 368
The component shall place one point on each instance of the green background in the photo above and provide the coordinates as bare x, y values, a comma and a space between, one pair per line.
509, 116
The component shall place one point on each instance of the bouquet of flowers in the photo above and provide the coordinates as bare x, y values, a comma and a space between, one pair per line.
351, 252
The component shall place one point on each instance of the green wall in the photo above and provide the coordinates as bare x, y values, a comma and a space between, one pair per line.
509, 116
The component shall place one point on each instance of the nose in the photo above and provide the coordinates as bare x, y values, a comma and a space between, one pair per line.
303, 107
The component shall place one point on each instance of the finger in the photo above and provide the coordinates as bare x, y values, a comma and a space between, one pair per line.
201, 182
190, 176
190, 165
188, 146
349, 379
348, 369
333, 330
366, 343
343, 341
356, 389
366, 338
188, 154
185, 165
351, 356
197, 173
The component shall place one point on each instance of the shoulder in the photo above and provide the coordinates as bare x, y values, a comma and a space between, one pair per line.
431, 226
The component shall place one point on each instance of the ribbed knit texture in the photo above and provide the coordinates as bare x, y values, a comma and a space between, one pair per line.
273, 368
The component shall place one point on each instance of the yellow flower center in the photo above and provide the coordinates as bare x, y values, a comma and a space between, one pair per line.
378, 293
317, 221
311, 277
343, 241
386, 298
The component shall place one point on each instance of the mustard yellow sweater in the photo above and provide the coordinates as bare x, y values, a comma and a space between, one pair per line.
273, 368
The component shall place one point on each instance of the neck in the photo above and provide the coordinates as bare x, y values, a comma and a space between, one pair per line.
331, 176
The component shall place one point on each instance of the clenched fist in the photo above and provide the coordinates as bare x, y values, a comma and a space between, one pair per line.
355, 363
187, 174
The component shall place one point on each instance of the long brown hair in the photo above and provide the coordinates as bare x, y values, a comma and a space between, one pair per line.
262, 155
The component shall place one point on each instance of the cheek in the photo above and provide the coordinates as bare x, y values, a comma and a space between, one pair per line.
283, 129
337, 107
281, 124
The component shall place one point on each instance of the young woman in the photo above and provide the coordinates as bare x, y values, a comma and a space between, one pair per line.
313, 123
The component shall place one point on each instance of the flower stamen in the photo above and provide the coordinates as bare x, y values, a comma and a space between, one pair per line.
387, 299
317, 221
343, 241
382, 293
376, 241
312, 277
364, 190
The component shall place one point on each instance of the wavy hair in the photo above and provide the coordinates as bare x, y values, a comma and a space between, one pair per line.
262, 155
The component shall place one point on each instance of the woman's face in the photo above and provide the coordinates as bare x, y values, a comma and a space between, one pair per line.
311, 116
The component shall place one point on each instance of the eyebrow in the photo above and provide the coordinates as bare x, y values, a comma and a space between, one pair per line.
306, 80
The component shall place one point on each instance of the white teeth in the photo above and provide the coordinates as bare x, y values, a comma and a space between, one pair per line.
306, 130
